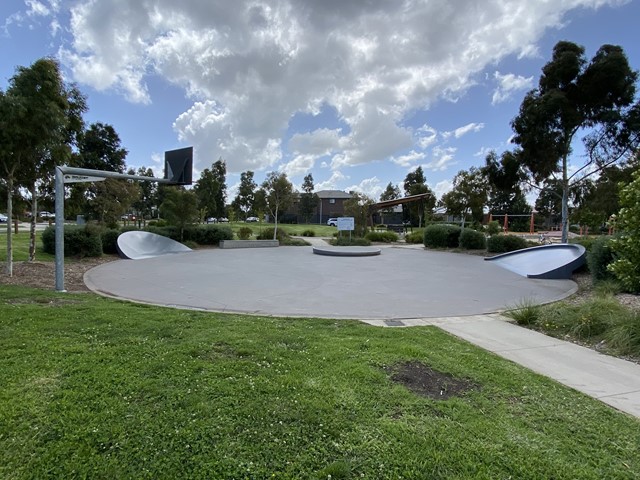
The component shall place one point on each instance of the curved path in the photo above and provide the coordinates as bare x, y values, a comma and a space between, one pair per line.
401, 283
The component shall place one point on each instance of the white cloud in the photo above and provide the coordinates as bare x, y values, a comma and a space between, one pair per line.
36, 8
426, 136
331, 183
300, 165
261, 63
409, 159
508, 85
442, 187
459, 132
444, 158
369, 186
320, 142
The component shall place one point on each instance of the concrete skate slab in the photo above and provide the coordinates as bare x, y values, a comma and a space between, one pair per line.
136, 245
544, 261
292, 281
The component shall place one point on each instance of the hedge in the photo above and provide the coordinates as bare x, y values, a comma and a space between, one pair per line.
505, 243
472, 239
442, 236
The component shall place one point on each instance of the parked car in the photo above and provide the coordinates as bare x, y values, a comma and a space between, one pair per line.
252, 219
223, 219
3, 218
47, 215
212, 220
332, 222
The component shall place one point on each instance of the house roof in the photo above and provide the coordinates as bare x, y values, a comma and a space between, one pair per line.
333, 194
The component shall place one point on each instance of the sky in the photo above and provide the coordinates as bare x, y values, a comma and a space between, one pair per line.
356, 92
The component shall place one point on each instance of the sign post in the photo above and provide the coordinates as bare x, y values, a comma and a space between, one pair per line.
346, 223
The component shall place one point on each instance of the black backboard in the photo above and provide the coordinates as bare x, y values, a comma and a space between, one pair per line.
178, 166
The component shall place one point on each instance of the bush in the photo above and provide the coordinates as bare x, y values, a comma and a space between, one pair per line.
415, 237
267, 234
351, 242
598, 257
207, 234
109, 238
309, 233
386, 237
442, 236
493, 228
79, 241
244, 233
472, 239
505, 243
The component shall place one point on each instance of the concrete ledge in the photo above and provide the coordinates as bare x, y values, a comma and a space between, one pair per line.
347, 251
249, 243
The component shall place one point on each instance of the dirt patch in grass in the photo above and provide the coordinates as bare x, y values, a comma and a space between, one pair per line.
425, 381
42, 274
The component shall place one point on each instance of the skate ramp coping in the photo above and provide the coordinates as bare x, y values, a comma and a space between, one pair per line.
556, 261
136, 245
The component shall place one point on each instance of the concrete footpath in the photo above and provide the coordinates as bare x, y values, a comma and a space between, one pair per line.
611, 380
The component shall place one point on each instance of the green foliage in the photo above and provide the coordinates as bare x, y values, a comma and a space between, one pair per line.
525, 313
244, 233
493, 228
472, 239
79, 241
268, 234
385, 237
358, 208
200, 234
599, 256
179, 208
417, 236
308, 233
351, 242
109, 239
626, 246
442, 236
624, 335
505, 243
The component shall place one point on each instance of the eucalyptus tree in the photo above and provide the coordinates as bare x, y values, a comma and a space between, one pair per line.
279, 195
308, 199
575, 96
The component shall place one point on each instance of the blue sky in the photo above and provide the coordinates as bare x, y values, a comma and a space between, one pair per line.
357, 93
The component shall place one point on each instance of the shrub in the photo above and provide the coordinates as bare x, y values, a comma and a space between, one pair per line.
626, 265
472, 239
386, 237
244, 233
525, 313
309, 233
168, 231
79, 241
351, 242
624, 334
109, 238
415, 237
599, 256
442, 236
191, 244
267, 234
493, 228
505, 243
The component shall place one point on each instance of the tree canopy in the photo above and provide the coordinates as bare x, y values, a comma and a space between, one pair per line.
575, 95
308, 199
279, 195
415, 183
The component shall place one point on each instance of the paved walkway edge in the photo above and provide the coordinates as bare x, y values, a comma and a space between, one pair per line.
611, 380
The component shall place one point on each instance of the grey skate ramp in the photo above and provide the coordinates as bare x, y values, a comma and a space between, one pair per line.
136, 245
554, 261
292, 281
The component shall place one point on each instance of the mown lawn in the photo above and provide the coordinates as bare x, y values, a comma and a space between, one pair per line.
96, 388
20, 245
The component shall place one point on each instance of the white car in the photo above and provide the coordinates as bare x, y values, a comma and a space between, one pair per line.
252, 219
47, 215
3, 218
332, 222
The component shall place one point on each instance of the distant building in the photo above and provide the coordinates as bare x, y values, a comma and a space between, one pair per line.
331, 204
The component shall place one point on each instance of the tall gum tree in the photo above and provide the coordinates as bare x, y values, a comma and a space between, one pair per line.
574, 96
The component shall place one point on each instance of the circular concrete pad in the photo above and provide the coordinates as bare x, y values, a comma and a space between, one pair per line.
292, 281
347, 251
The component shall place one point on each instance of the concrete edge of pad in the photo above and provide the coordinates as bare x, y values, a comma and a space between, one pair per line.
347, 251
249, 243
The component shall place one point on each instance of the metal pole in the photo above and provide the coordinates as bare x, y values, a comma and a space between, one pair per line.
59, 211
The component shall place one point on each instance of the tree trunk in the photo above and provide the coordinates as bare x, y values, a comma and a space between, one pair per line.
275, 229
32, 224
9, 219
565, 202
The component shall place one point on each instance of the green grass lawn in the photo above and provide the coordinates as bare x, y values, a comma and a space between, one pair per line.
20, 243
96, 388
